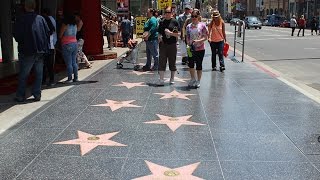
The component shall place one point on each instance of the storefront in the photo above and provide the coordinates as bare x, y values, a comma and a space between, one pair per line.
90, 11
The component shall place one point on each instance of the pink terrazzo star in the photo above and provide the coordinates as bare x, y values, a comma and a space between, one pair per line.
131, 85
115, 105
165, 173
174, 122
174, 94
141, 73
88, 142
176, 79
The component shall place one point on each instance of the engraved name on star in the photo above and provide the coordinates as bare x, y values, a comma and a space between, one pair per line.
176, 79
162, 172
88, 141
115, 105
174, 122
174, 94
131, 85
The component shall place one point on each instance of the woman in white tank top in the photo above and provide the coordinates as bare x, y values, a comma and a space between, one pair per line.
113, 32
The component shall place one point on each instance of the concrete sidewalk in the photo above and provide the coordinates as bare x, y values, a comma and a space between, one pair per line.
12, 113
240, 124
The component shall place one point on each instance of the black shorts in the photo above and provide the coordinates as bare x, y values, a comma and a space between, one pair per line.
197, 58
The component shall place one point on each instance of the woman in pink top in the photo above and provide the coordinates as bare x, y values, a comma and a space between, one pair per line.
217, 38
68, 39
197, 34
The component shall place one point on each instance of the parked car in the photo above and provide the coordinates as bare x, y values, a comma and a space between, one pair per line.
285, 24
265, 22
252, 21
274, 20
234, 21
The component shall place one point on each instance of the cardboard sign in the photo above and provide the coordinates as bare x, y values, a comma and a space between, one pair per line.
140, 21
162, 4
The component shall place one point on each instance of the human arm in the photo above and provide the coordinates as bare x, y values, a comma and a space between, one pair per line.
79, 25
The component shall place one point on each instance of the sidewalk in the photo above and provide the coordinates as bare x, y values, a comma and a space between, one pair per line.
240, 124
12, 113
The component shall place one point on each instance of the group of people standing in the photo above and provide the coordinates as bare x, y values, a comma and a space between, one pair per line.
37, 37
164, 35
113, 28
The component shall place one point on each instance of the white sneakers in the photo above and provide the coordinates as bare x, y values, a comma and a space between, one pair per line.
194, 83
171, 81
160, 82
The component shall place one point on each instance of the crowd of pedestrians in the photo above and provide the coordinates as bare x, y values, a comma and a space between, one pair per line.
117, 28
38, 38
301, 23
163, 32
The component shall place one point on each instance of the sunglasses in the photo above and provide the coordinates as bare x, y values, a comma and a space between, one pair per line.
167, 12
194, 16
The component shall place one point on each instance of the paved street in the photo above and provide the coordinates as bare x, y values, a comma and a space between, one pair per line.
297, 58
240, 124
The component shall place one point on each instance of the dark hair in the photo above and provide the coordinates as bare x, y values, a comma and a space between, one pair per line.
69, 19
77, 13
125, 16
46, 11
152, 11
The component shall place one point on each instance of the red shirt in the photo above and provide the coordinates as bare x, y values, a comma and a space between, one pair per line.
302, 22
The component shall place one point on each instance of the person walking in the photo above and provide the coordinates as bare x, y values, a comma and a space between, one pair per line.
217, 38
168, 35
49, 61
182, 19
197, 34
125, 30
314, 25
293, 24
302, 25
150, 35
69, 45
33, 36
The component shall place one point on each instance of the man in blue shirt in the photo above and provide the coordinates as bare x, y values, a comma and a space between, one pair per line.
33, 36
125, 30
151, 38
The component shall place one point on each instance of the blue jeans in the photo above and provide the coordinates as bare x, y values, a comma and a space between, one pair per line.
69, 52
152, 51
26, 63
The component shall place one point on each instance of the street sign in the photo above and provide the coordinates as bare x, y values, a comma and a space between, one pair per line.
162, 4
140, 21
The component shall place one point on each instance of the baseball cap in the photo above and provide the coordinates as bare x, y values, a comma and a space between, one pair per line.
187, 7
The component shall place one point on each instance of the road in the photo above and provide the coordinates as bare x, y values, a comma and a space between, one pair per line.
295, 57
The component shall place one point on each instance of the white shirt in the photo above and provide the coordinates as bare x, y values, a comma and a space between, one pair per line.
114, 27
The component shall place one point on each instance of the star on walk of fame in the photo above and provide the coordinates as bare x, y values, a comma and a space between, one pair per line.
174, 94
162, 172
88, 141
115, 105
130, 85
174, 122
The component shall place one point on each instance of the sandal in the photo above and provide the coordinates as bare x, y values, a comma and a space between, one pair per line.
89, 66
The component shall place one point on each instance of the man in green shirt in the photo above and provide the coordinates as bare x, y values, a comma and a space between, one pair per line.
151, 38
